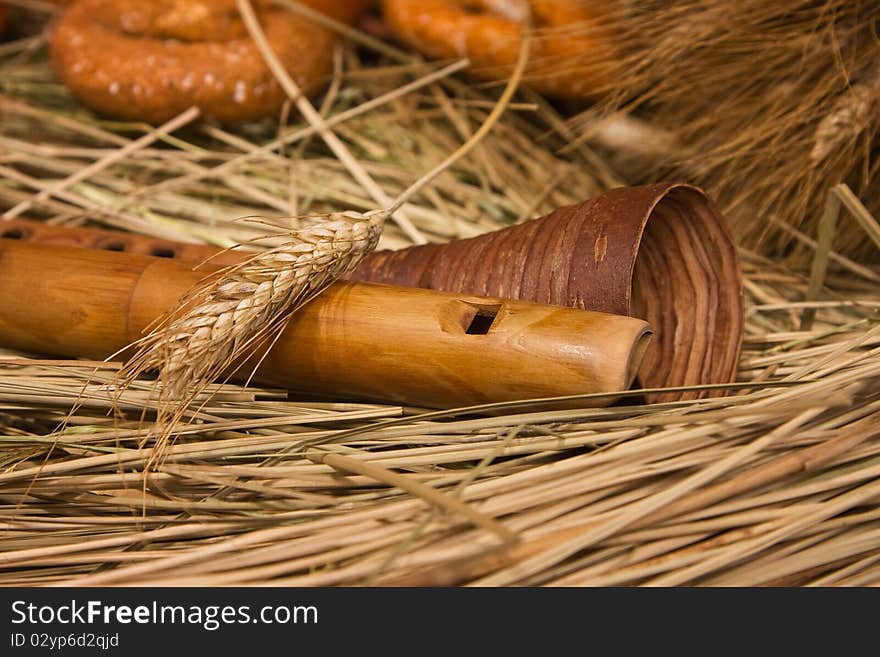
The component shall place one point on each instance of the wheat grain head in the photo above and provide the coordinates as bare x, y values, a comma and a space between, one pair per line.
228, 318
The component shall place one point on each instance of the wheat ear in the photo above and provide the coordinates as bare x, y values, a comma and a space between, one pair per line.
849, 117
232, 314
228, 316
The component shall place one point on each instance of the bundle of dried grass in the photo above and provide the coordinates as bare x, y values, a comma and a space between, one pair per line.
765, 104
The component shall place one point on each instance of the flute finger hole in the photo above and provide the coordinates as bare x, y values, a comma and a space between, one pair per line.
13, 234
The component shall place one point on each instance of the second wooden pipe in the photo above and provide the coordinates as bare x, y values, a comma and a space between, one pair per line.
356, 340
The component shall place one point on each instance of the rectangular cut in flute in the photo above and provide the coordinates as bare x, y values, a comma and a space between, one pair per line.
356, 340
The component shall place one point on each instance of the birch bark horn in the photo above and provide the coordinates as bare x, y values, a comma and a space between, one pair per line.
659, 252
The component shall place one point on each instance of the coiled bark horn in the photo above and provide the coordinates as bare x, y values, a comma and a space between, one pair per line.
659, 252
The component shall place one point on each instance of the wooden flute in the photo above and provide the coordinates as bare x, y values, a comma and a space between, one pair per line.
357, 341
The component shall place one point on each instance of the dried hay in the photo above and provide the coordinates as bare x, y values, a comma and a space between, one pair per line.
776, 484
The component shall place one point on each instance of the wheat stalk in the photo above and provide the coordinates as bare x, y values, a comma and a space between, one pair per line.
242, 308
229, 314
848, 118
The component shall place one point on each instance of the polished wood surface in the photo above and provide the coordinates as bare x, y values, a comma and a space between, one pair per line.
357, 341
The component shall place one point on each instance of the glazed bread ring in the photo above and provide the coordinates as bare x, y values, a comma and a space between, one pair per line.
149, 61
571, 56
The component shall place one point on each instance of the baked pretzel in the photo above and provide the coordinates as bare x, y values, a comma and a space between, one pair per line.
149, 61
571, 56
